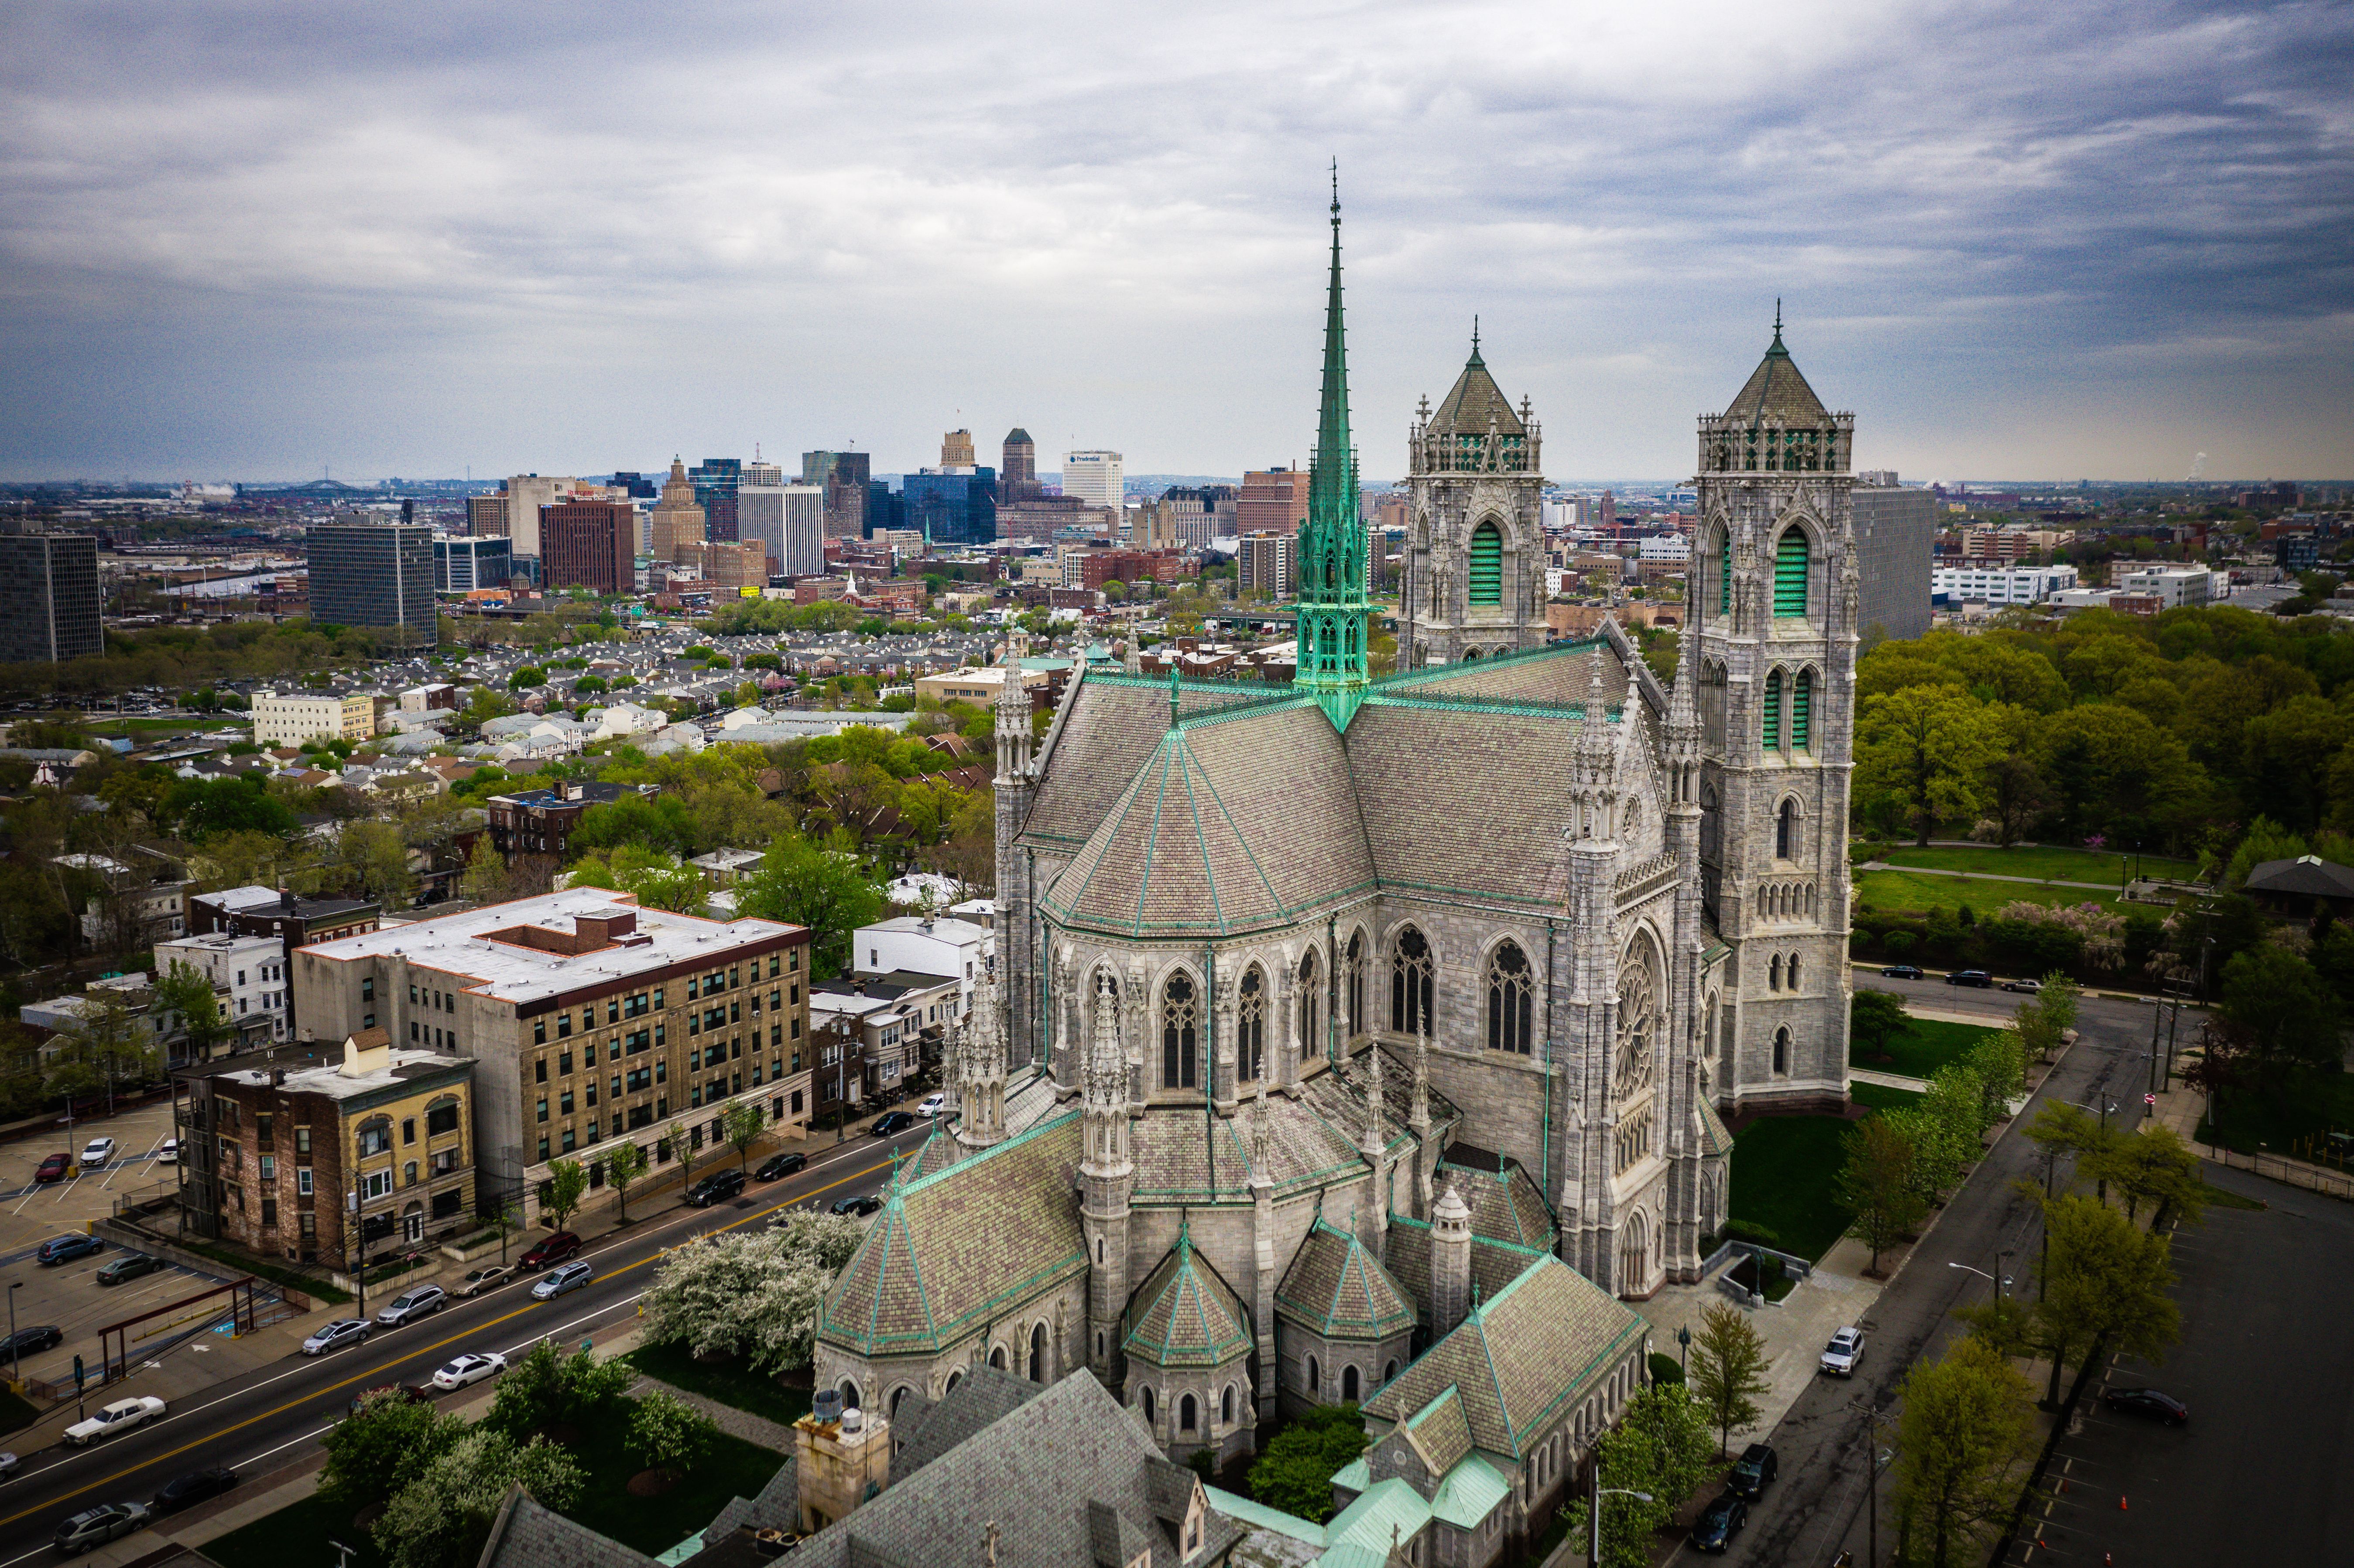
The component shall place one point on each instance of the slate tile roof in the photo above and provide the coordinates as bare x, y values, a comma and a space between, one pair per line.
1110, 731
1494, 1264
525, 1535
954, 1249
1776, 390
1505, 1203
934, 1427
1338, 1289
1185, 1314
1520, 1358
1441, 1431
1713, 1138
1473, 402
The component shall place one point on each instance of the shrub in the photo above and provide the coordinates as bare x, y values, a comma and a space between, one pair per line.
1897, 943
666, 1434
1666, 1369
1296, 1472
1757, 1234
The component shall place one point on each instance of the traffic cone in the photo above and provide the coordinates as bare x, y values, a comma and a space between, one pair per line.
2121, 1505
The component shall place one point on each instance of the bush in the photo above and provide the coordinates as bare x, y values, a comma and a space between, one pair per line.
1296, 1472
666, 1434
1896, 944
1666, 1369
1756, 1234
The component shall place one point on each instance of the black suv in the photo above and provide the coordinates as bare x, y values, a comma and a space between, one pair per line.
1978, 978
712, 1187
1755, 1469
891, 1122
1719, 1523
777, 1165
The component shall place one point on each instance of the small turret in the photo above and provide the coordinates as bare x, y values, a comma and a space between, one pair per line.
1450, 1262
979, 1058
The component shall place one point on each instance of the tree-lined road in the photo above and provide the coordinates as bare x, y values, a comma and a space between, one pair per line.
272, 1416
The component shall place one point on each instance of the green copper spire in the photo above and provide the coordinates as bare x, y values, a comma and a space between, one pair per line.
1332, 603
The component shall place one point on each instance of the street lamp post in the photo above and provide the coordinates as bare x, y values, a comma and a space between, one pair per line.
1683, 1350
1594, 1512
16, 1353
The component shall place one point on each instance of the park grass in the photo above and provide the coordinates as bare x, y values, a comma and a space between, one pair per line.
2291, 1120
1898, 890
1880, 1097
303, 1531
1785, 1177
1933, 1043
2045, 862
731, 1383
17, 1411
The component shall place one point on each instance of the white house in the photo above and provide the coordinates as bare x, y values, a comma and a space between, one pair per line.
627, 718
252, 969
915, 944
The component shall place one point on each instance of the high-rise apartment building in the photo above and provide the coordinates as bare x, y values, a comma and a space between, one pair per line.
461, 565
1017, 473
1274, 501
590, 544
50, 599
956, 450
1894, 528
486, 517
376, 573
1265, 562
1094, 477
715, 481
677, 520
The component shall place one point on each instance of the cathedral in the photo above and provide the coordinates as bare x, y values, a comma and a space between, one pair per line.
1370, 1039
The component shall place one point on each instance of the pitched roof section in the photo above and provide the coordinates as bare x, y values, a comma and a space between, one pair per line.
1441, 1431
1337, 1290
952, 1249
1494, 1264
1184, 1315
1520, 1359
1474, 401
1108, 734
1776, 391
981, 1398
1505, 1203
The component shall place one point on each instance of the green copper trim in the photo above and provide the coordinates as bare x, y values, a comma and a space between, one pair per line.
1332, 618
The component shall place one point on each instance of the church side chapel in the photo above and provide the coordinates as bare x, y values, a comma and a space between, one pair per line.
1368, 1041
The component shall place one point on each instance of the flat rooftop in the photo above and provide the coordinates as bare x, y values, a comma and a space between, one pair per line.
490, 945
405, 1066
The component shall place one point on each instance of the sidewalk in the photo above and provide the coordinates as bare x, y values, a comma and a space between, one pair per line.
1983, 876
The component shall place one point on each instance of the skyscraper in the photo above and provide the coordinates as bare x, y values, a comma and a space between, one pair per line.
376, 573
49, 598
635, 486
677, 520
526, 493
956, 450
1094, 478
461, 565
486, 517
1274, 501
951, 508
590, 544
715, 480
846, 481
789, 522
1017, 473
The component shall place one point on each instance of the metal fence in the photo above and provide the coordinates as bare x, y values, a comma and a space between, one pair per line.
2293, 1173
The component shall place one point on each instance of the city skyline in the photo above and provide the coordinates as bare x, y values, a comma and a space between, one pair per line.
2054, 245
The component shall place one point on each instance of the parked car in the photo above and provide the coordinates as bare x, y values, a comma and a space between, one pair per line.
1719, 1523
932, 1106
335, 1335
54, 1167
469, 1370
25, 1341
192, 1488
9, 1465
97, 1152
169, 1152
571, 1277
1978, 978
488, 1279
65, 1248
121, 1417
2150, 1403
129, 1266
1842, 1354
418, 1301
1754, 1471
891, 1122
2032, 987
548, 1249
713, 1188
777, 1165
857, 1205
1900, 972
94, 1527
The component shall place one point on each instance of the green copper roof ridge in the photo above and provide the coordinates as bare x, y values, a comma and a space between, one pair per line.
1152, 841
1070, 909
995, 1150
1282, 907
1201, 839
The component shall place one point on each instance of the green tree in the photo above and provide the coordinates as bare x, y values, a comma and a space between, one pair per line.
204, 808
1963, 1441
185, 990
1295, 1472
105, 1047
1877, 1020
2107, 1283
1924, 752
624, 1165
380, 1446
526, 677
485, 881
2290, 1016
827, 890
665, 1435
678, 1139
441, 1519
1999, 1063
1659, 1447
2152, 1166
566, 1181
741, 1125
548, 1389
1875, 1187
1728, 1370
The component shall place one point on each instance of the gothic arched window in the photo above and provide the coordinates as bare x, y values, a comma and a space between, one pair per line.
997, 1358
1357, 983
1311, 998
1315, 1377
1724, 573
1782, 1050
1410, 983
1790, 972
1148, 1406
1181, 1019
1349, 1385
1038, 1353
1226, 1406
1802, 712
1509, 1000
1785, 831
1790, 572
1486, 576
1773, 974
1250, 1027
1772, 729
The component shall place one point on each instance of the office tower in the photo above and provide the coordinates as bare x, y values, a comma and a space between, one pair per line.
49, 600
883, 508
1274, 501
956, 450
759, 472
1017, 473
1894, 528
677, 520
847, 484
1265, 562
715, 481
951, 508
526, 493
789, 520
461, 565
732, 565
376, 573
634, 486
1610, 513
486, 517
1094, 478
590, 544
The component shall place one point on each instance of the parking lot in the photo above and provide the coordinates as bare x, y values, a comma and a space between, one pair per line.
69, 1295
30, 1214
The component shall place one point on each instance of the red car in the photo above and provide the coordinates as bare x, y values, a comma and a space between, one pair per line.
553, 1249
53, 1169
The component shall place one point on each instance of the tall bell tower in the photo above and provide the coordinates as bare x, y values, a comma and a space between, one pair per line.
1771, 608
1475, 543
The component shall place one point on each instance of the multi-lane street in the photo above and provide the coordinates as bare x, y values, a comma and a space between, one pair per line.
273, 1414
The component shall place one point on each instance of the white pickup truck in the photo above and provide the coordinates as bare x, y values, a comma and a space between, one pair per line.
121, 1417
1845, 1350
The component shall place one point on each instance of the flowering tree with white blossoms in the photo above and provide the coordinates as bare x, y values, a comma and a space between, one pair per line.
751, 1293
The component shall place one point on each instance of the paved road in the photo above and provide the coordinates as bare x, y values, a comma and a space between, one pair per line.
2265, 1471
271, 1416
1817, 1508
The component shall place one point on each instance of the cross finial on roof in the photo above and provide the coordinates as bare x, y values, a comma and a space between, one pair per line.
1777, 322
1336, 192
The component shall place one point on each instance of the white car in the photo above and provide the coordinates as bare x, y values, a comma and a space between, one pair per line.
468, 1370
121, 1417
933, 1105
411, 1304
96, 1153
169, 1154
1846, 1349
342, 1331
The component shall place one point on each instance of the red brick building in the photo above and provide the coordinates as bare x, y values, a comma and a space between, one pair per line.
1273, 502
589, 544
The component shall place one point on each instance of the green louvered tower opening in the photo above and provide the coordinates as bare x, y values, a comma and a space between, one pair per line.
1487, 582
1790, 573
1773, 706
1332, 547
1802, 705
1724, 575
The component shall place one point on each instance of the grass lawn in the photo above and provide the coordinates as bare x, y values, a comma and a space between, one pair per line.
729, 1383
2290, 1120
1932, 1044
297, 1533
2045, 863
1879, 1097
1784, 1172
16, 1411
1903, 890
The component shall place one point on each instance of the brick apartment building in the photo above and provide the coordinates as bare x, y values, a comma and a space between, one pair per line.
589, 544
541, 822
1272, 502
296, 922
589, 1019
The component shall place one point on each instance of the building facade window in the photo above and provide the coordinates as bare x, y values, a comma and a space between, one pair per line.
1511, 1001
1180, 1033
1410, 983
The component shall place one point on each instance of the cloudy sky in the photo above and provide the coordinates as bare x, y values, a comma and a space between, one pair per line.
2022, 239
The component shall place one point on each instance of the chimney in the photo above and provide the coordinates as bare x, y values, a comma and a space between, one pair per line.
1450, 1262
366, 1052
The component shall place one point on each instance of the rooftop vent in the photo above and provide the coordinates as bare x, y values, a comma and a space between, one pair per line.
826, 1407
